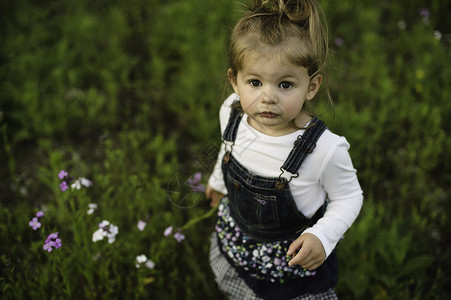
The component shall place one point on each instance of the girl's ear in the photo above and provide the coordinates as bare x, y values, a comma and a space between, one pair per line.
313, 88
232, 80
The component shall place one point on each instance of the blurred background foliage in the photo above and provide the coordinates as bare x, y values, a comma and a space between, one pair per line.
127, 93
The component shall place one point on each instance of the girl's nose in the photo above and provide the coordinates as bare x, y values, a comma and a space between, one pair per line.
269, 96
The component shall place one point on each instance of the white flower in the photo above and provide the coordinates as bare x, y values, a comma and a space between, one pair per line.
92, 208
141, 225
438, 35
168, 231
140, 259
150, 264
104, 223
81, 182
76, 185
85, 182
105, 230
98, 235
112, 233
114, 229
402, 25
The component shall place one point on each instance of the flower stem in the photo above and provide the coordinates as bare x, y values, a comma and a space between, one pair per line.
200, 218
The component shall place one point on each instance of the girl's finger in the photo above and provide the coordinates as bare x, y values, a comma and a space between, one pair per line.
295, 245
301, 258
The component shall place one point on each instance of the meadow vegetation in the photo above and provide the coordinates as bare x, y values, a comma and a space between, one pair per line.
124, 96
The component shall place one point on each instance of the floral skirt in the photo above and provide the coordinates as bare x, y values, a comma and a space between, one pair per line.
235, 288
261, 260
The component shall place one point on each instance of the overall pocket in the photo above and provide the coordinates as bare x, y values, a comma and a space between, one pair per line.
257, 210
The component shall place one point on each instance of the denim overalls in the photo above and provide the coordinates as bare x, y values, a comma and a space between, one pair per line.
265, 211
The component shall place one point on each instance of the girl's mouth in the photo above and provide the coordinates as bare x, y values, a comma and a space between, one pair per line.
267, 114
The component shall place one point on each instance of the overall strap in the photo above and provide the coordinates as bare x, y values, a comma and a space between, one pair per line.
234, 122
303, 146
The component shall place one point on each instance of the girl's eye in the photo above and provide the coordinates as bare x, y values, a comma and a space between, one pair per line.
285, 85
255, 83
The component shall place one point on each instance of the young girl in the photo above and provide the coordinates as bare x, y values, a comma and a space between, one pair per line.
276, 233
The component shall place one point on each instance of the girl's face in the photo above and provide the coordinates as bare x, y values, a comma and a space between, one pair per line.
272, 93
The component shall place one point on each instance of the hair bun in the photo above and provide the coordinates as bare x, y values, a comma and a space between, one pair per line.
297, 11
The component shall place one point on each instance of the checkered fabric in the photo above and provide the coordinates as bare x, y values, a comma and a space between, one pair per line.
235, 288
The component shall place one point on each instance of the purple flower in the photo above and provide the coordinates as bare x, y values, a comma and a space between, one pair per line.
51, 236
198, 188
424, 12
34, 223
48, 247
197, 177
52, 241
62, 174
339, 41
195, 183
179, 236
40, 214
64, 186
168, 231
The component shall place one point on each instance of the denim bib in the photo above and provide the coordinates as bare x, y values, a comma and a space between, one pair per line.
259, 219
263, 207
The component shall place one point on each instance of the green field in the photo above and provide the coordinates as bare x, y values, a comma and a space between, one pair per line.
126, 94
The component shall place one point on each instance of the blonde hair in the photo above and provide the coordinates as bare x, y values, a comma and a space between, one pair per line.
287, 29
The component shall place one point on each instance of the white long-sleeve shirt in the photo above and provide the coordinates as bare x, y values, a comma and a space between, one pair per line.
328, 170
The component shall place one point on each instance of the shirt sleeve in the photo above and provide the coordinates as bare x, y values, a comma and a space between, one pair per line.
216, 180
344, 193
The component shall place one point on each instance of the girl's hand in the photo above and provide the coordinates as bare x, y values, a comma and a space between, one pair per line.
312, 253
214, 195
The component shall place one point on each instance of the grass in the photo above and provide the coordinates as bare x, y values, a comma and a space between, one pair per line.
127, 93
